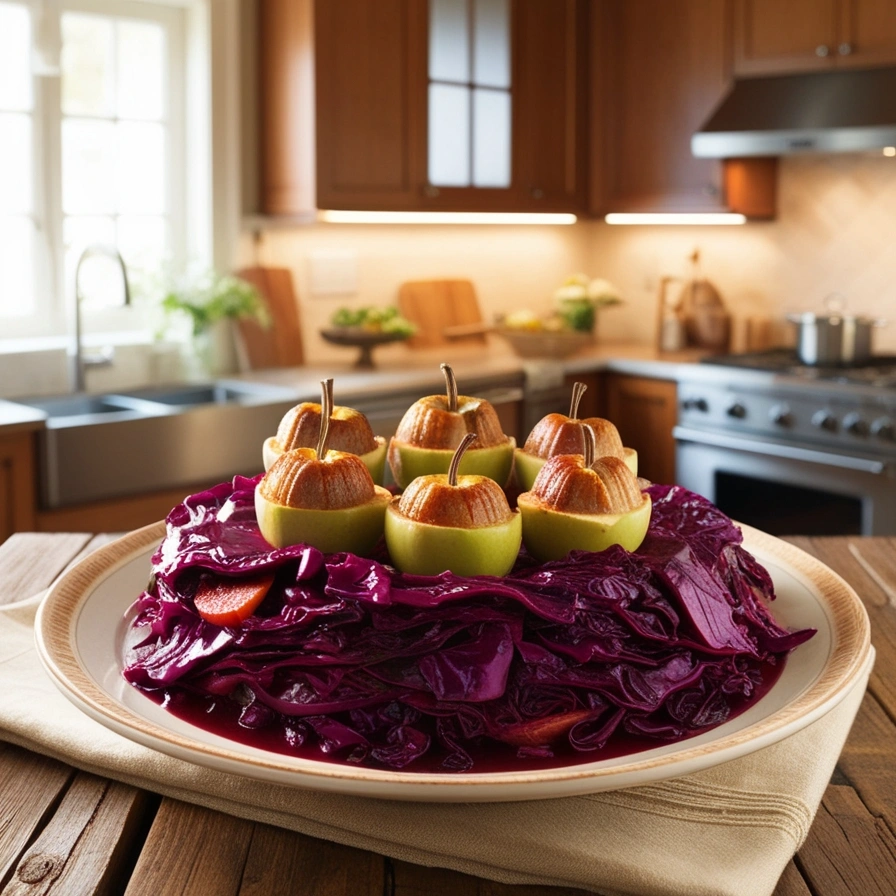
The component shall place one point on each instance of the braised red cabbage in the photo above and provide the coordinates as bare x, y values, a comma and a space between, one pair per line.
370, 666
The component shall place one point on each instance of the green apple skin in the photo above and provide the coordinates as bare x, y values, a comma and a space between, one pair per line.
526, 466
407, 462
353, 529
374, 460
552, 534
426, 550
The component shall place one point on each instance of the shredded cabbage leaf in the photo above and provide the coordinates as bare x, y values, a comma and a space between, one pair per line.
370, 666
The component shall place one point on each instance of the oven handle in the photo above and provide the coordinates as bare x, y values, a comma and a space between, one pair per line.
771, 449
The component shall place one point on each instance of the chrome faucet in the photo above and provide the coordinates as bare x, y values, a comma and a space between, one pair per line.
79, 359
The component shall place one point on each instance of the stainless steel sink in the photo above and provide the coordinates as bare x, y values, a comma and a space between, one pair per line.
95, 447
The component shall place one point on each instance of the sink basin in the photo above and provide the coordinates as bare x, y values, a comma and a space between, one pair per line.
96, 447
224, 392
78, 409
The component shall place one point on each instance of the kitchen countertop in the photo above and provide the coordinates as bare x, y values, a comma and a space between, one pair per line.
65, 830
416, 372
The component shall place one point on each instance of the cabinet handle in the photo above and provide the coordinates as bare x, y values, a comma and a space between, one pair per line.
431, 191
844, 49
537, 193
822, 50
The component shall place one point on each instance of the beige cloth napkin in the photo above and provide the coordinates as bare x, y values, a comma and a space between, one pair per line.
727, 830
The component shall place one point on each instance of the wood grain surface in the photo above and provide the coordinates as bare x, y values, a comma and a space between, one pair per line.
68, 832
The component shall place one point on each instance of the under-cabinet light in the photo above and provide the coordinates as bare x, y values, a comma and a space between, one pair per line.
334, 216
890, 151
671, 218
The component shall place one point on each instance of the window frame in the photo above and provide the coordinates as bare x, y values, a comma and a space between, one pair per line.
53, 287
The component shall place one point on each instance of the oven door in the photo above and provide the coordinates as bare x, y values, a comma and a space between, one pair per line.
788, 489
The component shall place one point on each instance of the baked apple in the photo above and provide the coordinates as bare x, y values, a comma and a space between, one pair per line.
321, 497
452, 521
564, 434
579, 503
350, 431
432, 428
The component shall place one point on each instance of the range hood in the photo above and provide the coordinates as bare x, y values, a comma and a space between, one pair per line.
842, 111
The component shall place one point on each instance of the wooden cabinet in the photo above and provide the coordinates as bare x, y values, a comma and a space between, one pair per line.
17, 491
659, 71
644, 411
771, 37
370, 122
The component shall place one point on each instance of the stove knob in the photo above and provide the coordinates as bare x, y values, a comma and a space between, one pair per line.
780, 415
737, 410
695, 404
825, 420
855, 425
884, 428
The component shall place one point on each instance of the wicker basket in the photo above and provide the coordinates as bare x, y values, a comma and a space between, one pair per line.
545, 343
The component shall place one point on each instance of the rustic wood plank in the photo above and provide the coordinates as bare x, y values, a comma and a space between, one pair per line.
31, 786
191, 851
868, 759
282, 863
29, 562
87, 845
791, 882
851, 851
417, 880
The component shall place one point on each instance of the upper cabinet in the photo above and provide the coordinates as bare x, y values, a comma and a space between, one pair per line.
659, 70
426, 104
771, 37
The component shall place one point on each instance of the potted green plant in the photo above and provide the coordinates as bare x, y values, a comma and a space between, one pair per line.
211, 302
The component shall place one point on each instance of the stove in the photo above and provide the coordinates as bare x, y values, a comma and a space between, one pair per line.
878, 371
789, 447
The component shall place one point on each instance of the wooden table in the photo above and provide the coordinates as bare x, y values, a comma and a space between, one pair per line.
63, 831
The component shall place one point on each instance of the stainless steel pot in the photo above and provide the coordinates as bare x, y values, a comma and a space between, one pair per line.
833, 338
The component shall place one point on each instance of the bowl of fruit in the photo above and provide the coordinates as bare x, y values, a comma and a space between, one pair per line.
365, 329
549, 336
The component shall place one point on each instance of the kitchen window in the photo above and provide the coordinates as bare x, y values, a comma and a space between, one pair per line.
92, 151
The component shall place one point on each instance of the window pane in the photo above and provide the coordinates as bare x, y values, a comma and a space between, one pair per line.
449, 42
141, 61
141, 168
16, 267
449, 136
15, 163
15, 61
88, 65
491, 50
491, 143
143, 241
88, 166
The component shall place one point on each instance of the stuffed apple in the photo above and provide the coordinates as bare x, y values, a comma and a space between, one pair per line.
579, 503
350, 431
433, 427
450, 521
321, 497
565, 434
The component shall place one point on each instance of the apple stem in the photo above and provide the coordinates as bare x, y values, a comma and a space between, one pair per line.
578, 390
326, 408
590, 445
450, 386
458, 454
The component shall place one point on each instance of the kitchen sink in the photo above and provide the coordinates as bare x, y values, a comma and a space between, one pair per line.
96, 447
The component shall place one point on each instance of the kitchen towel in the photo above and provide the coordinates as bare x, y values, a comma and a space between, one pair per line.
725, 831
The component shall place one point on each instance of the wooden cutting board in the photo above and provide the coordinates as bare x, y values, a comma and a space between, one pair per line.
279, 345
437, 305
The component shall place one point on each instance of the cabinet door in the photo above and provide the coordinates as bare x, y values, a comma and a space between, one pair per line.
644, 411
867, 35
370, 99
550, 47
17, 485
658, 71
771, 37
